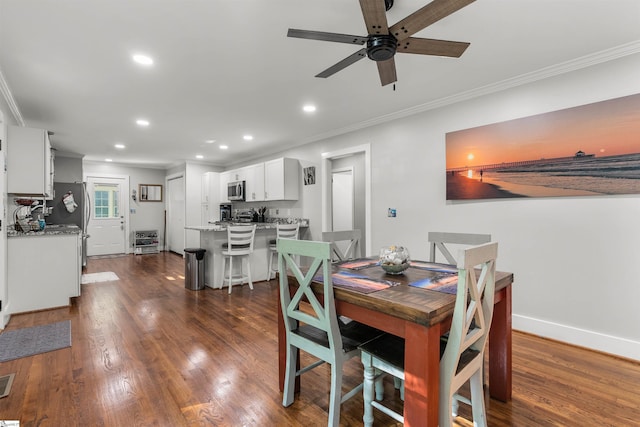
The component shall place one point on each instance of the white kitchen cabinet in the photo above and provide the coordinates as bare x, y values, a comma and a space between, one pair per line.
225, 178
282, 179
29, 162
254, 182
44, 271
210, 197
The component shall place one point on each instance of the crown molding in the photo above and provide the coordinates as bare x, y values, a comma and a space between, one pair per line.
8, 97
541, 74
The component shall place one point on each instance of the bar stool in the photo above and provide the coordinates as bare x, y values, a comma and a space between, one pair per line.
239, 244
283, 231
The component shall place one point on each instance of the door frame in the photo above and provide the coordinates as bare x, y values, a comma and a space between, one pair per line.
326, 187
167, 237
125, 202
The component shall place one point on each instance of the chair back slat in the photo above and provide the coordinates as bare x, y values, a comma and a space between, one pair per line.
439, 240
348, 239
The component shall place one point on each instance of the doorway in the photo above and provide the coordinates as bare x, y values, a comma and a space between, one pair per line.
108, 225
342, 200
175, 214
358, 159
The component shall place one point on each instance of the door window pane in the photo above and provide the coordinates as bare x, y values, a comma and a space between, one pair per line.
106, 199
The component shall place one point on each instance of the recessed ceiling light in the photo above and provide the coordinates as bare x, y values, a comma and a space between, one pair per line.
143, 59
199, 156
108, 160
309, 108
142, 122
119, 146
247, 137
224, 147
210, 141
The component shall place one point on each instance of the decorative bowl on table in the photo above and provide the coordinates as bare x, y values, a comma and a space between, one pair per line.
394, 259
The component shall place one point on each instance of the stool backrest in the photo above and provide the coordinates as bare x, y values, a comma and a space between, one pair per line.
288, 231
240, 239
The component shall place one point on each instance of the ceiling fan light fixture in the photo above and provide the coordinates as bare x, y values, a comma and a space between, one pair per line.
381, 47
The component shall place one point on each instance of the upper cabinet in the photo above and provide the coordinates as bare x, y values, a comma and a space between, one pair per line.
277, 179
225, 178
254, 182
281, 179
29, 162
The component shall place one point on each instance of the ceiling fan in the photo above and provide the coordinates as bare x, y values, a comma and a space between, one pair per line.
383, 42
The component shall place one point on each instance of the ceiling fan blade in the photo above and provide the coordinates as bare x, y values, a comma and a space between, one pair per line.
425, 16
327, 37
432, 47
375, 16
362, 53
387, 71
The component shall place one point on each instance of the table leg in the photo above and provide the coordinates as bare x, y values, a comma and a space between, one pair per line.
500, 349
422, 375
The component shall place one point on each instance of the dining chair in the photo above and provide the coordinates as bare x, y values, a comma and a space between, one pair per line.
239, 245
283, 231
349, 238
439, 240
461, 356
311, 323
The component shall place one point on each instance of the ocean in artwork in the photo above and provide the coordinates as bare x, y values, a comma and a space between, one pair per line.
577, 176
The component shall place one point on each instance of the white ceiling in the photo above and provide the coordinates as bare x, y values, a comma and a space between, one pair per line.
226, 68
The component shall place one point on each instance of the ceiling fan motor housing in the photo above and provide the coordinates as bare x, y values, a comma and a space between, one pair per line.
381, 47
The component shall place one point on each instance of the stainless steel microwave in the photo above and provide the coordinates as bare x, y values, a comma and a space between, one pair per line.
235, 191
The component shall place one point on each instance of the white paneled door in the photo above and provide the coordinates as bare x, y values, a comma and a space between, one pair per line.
342, 199
175, 214
107, 227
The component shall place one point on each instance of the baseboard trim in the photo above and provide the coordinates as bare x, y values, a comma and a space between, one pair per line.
622, 347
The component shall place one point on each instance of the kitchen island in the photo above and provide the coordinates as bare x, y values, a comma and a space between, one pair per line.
214, 235
44, 267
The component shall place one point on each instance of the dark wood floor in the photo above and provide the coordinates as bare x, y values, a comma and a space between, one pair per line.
148, 352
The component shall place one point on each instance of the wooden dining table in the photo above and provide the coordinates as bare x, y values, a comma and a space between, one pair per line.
421, 316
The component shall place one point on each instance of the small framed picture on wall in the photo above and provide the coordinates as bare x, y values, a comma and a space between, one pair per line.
310, 175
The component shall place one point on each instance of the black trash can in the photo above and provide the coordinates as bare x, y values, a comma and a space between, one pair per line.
194, 268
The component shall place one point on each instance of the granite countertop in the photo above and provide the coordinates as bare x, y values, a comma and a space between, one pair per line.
259, 225
49, 230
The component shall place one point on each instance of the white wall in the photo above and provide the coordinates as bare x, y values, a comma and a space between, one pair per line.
574, 259
67, 169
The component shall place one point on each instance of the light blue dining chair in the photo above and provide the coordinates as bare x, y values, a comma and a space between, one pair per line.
439, 240
313, 326
461, 356
345, 244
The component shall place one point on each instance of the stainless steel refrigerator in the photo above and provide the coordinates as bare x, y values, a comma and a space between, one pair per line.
79, 217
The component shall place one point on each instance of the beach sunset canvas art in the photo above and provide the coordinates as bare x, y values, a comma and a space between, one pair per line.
590, 150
